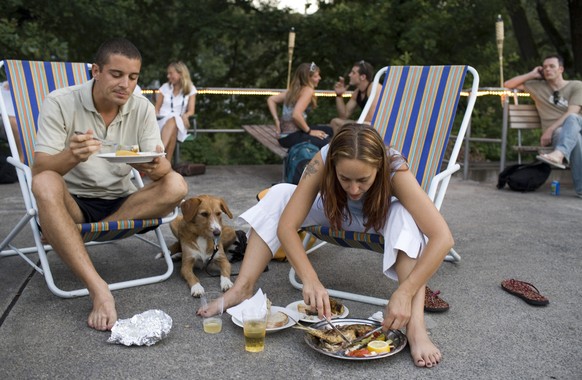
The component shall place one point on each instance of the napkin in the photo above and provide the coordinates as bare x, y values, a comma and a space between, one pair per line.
256, 302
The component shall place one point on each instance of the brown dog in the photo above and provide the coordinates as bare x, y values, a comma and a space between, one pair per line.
200, 231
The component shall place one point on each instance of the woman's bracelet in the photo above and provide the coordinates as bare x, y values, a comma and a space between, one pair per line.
308, 131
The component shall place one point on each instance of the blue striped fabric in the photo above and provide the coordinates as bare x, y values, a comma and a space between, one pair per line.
415, 114
350, 239
30, 83
119, 229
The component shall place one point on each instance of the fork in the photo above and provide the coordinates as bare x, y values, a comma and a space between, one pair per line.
345, 338
104, 142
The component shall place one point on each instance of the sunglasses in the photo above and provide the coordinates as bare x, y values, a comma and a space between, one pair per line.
312, 67
556, 95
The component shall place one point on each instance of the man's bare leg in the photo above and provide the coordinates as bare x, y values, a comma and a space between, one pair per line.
154, 200
257, 257
423, 351
58, 214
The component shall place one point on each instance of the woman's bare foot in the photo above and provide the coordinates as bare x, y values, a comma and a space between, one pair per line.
234, 296
104, 315
424, 353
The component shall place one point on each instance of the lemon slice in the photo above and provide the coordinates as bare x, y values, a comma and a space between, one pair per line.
378, 346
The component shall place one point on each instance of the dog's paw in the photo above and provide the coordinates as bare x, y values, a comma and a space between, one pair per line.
177, 256
225, 283
197, 290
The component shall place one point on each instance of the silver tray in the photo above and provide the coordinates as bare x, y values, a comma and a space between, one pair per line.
398, 338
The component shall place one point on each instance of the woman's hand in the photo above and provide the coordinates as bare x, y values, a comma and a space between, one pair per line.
398, 310
316, 296
319, 134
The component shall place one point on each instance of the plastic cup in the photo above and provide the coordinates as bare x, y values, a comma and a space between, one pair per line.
213, 324
255, 329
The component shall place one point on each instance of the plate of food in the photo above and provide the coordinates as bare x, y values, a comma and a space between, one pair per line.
277, 320
130, 157
338, 310
323, 339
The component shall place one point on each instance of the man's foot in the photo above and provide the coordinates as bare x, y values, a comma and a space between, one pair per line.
232, 297
556, 158
104, 315
424, 353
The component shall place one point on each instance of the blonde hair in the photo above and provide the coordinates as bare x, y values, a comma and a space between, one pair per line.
185, 81
301, 78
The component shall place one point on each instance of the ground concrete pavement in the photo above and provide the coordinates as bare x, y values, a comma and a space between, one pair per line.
487, 333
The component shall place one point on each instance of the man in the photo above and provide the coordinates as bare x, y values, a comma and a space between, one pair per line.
558, 102
361, 77
72, 185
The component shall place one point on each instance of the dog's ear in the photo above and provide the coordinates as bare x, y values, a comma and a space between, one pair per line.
224, 208
190, 208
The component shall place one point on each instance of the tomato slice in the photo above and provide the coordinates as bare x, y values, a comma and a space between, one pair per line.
363, 352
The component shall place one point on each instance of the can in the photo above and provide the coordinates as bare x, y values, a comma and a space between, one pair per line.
555, 188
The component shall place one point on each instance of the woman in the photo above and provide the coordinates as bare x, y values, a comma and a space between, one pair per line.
297, 101
354, 183
175, 103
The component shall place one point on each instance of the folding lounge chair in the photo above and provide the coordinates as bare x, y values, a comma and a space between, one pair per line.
30, 82
415, 114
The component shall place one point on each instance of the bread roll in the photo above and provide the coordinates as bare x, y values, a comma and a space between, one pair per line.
279, 319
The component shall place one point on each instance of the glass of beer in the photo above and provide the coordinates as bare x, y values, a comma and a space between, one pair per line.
213, 324
255, 328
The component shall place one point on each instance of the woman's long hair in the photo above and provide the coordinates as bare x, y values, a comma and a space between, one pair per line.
301, 78
360, 142
185, 81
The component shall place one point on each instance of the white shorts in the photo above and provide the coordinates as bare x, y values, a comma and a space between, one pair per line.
400, 231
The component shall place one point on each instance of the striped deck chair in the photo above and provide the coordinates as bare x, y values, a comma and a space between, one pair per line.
415, 114
30, 82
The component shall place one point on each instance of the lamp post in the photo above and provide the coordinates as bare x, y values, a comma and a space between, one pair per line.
499, 37
291, 47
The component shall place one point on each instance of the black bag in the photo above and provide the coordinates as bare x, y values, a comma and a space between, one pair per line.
297, 158
524, 177
7, 171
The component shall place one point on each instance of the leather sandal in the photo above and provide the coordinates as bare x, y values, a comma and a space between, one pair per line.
433, 303
525, 291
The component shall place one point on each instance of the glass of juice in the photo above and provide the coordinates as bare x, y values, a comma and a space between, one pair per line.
255, 328
213, 324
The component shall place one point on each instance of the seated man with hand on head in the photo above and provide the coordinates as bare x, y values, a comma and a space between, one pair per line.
558, 102
361, 76
72, 185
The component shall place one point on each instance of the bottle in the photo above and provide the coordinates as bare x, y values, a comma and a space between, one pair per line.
555, 187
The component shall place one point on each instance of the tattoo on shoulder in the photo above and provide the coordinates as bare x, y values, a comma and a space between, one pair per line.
311, 168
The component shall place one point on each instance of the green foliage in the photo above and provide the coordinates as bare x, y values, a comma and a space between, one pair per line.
237, 43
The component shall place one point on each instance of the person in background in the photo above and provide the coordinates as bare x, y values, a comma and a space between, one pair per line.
175, 104
11, 117
72, 185
355, 183
297, 101
558, 103
361, 77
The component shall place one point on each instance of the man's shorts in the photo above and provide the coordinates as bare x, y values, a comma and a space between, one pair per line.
96, 209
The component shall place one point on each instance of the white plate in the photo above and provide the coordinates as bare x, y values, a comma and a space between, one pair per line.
140, 159
274, 309
314, 318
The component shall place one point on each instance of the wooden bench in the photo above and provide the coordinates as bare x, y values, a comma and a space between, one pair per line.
524, 117
267, 136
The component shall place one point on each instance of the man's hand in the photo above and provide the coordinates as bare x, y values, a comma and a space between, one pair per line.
546, 138
82, 146
537, 73
340, 86
151, 168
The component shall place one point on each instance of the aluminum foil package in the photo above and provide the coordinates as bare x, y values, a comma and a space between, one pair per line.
146, 328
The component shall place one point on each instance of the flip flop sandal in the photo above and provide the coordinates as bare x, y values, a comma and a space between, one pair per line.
433, 303
525, 291
547, 160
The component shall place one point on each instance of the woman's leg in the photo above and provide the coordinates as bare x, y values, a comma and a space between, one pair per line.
424, 353
169, 133
257, 257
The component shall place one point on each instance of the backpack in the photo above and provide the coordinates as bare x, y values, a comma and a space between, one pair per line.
297, 158
524, 177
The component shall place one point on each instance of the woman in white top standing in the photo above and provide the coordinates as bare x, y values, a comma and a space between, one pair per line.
175, 103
